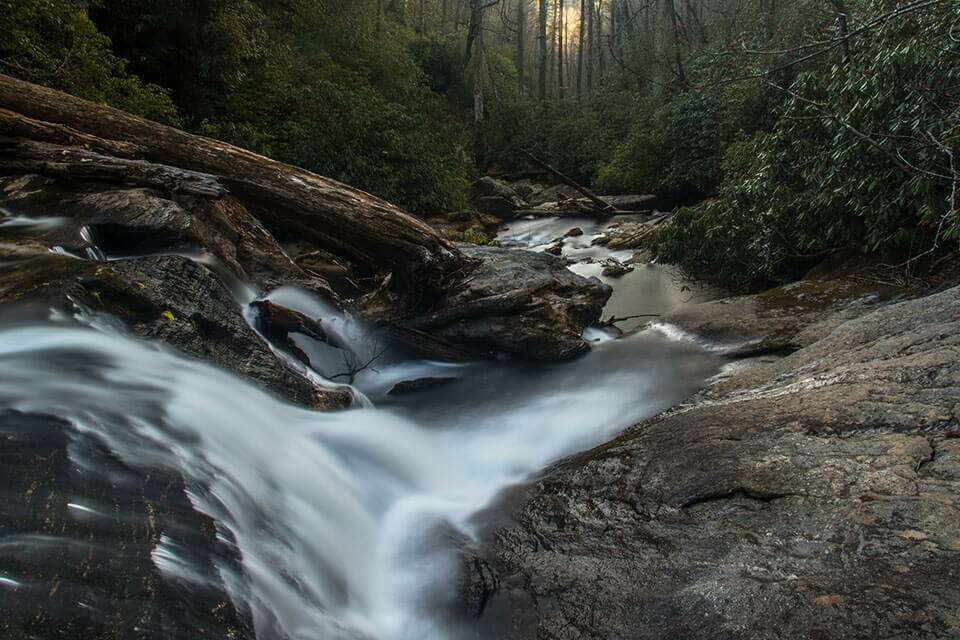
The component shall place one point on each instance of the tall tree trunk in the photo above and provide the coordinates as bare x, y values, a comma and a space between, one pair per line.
542, 41
671, 11
473, 30
591, 45
843, 20
561, 81
521, 41
601, 54
580, 47
553, 50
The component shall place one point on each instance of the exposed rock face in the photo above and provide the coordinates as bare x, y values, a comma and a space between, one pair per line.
519, 303
817, 496
496, 197
788, 317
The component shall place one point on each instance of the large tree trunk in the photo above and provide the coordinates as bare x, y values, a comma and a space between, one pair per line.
671, 11
592, 46
376, 237
580, 47
560, 79
473, 30
542, 42
601, 54
521, 42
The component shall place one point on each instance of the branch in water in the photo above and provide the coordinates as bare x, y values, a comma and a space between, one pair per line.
613, 320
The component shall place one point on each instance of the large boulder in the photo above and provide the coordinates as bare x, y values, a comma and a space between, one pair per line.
814, 496
520, 303
555, 193
496, 197
526, 188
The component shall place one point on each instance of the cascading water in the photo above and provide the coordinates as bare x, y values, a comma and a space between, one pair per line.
343, 521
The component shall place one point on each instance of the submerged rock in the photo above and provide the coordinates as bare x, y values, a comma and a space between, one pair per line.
813, 496
406, 387
555, 249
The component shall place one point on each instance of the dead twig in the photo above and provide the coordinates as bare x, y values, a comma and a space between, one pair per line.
613, 320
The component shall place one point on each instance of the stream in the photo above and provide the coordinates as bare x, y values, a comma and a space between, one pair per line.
347, 524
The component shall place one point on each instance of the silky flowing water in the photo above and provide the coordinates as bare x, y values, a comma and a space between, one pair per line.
346, 524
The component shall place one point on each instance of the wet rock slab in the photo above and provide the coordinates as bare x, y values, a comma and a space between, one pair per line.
817, 496
784, 318
79, 537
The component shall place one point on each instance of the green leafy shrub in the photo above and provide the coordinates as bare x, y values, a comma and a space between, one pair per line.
862, 156
675, 147
53, 42
474, 235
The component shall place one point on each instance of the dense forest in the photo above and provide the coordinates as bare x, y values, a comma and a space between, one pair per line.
786, 130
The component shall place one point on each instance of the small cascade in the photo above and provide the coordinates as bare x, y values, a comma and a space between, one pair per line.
344, 524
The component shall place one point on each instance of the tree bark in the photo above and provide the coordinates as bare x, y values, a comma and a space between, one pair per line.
591, 48
589, 195
560, 37
601, 55
521, 42
542, 41
580, 48
551, 71
843, 20
671, 11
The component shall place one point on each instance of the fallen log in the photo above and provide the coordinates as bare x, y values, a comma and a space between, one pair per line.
373, 235
604, 207
77, 164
